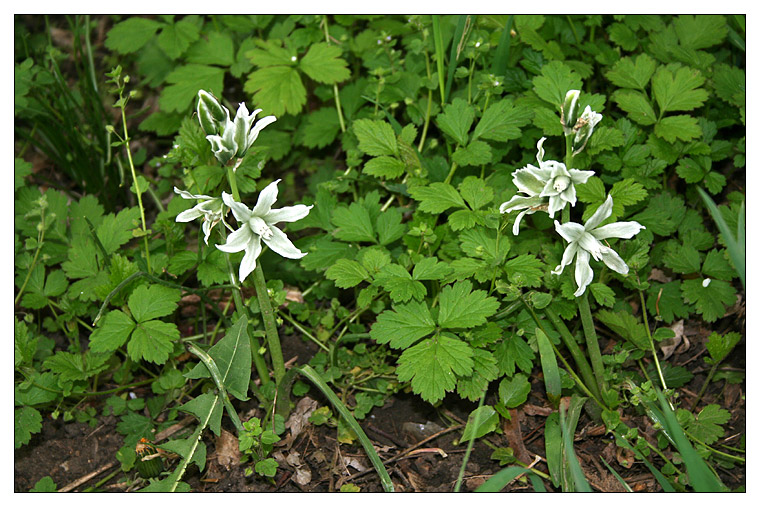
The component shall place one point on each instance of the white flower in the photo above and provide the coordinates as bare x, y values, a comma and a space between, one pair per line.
258, 224
210, 208
528, 184
245, 131
584, 240
584, 128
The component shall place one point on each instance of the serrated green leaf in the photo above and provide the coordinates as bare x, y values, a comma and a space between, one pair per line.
376, 138
476, 153
433, 365
385, 167
373, 259
720, 345
403, 325
353, 223
215, 48
44, 485
502, 121
67, 366
525, 270
389, 226
475, 191
460, 306
682, 126
321, 128
464, 219
678, 91
514, 392
710, 301
152, 341
322, 63
623, 36
627, 192
437, 197
716, 265
555, 81
346, 273
151, 301
398, 282
699, 32
131, 34
636, 105
277, 90
184, 83
706, 427
456, 120
26, 422
114, 330
683, 259
665, 300
603, 294
626, 325
630, 73
429, 268
175, 38
484, 370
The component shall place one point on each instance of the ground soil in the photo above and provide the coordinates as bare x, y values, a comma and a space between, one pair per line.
68, 452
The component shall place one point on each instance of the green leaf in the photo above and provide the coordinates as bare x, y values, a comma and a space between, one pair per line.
488, 421
433, 364
398, 282
525, 270
626, 193
322, 64
184, 83
626, 325
389, 226
215, 48
67, 366
502, 121
353, 223
113, 332
131, 34
683, 127
603, 294
429, 268
710, 301
484, 370
152, 341
716, 265
460, 306
476, 153
665, 300
150, 301
277, 90
374, 259
175, 38
630, 73
437, 198
44, 485
707, 425
678, 91
514, 392
376, 138
555, 81
26, 422
636, 105
720, 345
403, 325
475, 191
21, 169
206, 406
385, 167
346, 273
699, 32
456, 120
321, 128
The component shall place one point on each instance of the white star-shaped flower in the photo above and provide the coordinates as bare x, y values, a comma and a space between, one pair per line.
258, 225
584, 240
210, 208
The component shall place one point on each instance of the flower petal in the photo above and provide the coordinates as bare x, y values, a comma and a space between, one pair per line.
614, 261
527, 181
592, 245
287, 214
567, 258
516, 227
548, 189
189, 215
280, 243
520, 202
267, 197
579, 176
571, 232
600, 215
540, 154
240, 210
625, 230
254, 133
556, 203
238, 240
248, 264
187, 195
583, 273
569, 194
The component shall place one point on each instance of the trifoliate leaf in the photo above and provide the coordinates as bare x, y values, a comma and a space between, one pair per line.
514, 392
66, 365
376, 138
678, 90
152, 341
346, 273
433, 365
636, 105
460, 306
130, 35
720, 345
322, 63
353, 223
630, 73
716, 265
706, 427
184, 83
403, 325
555, 81
502, 121
152, 301
437, 198
398, 282
277, 90
682, 127
113, 332
710, 301
26, 422
456, 120
175, 38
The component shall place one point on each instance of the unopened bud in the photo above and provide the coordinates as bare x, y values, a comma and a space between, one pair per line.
584, 127
570, 110
211, 114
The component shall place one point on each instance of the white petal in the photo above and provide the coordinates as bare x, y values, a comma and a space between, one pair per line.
516, 202
248, 264
287, 214
540, 154
254, 133
207, 225
567, 258
592, 245
583, 273
579, 176
516, 227
240, 210
280, 243
602, 213
571, 232
548, 189
267, 197
187, 195
527, 181
614, 261
556, 203
569, 195
624, 230
189, 215
238, 240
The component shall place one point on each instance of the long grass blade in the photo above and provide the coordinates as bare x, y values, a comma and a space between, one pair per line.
552, 379
500, 479
568, 420
438, 41
617, 476
501, 55
735, 248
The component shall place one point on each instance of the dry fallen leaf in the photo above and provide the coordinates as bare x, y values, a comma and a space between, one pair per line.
227, 450
678, 344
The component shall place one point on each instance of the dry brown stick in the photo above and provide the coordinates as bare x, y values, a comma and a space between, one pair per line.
85, 478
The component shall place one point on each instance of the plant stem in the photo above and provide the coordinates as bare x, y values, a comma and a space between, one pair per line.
335, 86
451, 171
592, 342
704, 386
40, 238
651, 341
270, 326
438, 40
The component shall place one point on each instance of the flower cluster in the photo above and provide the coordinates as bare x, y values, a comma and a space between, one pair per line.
551, 186
234, 138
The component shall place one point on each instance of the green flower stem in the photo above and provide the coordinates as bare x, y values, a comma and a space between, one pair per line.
651, 341
40, 238
592, 342
335, 86
303, 330
451, 171
267, 314
575, 351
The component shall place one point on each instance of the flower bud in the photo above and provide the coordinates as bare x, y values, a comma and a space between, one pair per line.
570, 110
584, 127
211, 114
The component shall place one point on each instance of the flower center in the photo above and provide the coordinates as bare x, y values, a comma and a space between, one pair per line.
260, 227
561, 183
